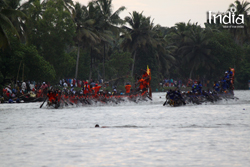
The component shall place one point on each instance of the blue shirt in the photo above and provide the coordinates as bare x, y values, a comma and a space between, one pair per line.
230, 73
224, 84
171, 94
199, 88
195, 88
217, 87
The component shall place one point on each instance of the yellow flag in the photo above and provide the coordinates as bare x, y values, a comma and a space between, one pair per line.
148, 71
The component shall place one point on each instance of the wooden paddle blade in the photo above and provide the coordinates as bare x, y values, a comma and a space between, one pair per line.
43, 103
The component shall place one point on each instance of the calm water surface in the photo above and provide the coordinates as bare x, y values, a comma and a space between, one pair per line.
146, 134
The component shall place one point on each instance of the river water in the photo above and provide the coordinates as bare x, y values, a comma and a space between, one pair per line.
143, 135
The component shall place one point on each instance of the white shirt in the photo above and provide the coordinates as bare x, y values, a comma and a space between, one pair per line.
9, 90
24, 86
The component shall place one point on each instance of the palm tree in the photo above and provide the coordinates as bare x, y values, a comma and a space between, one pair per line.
34, 10
108, 23
195, 50
85, 30
181, 32
179, 37
138, 35
242, 8
68, 4
19, 21
164, 52
5, 23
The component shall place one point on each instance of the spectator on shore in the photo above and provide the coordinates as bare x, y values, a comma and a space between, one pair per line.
10, 100
28, 86
24, 87
93, 83
65, 85
60, 82
44, 86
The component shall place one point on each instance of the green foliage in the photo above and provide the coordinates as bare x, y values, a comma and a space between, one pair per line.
243, 72
144, 59
205, 52
227, 52
56, 31
53, 31
119, 64
6, 25
34, 66
84, 65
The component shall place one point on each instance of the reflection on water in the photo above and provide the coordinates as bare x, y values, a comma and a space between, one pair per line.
145, 134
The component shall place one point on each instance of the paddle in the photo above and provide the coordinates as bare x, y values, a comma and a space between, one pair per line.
149, 98
70, 103
21, 96
43, 102
236, 98
87, 101
65, 102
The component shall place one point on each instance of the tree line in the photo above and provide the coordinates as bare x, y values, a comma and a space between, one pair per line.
49, 40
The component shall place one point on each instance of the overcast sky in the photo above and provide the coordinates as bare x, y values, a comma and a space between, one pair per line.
168, 12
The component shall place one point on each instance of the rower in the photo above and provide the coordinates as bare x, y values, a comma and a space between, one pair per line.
50, 96
230, 73
96, 89
178, 96
170, 94
86, 88
199, 87
195, 88
224, 84
127, 87
216, 86
115, 91
141, 81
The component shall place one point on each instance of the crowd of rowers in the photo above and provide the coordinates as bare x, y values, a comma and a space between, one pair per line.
92, 93
88, 93
221, 89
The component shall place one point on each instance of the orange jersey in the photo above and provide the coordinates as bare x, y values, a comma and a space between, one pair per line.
51, 96
127, 87
141, 83
96, 89
39, 93
145, 83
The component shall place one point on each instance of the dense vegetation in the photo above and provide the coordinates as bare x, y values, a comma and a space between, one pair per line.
49, 40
